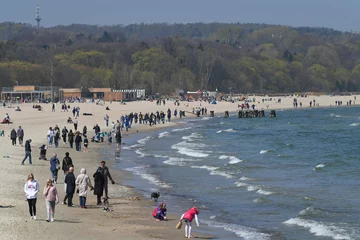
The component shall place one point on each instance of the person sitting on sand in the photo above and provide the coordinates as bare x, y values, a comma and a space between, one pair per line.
159, 213
18, 109
69, 121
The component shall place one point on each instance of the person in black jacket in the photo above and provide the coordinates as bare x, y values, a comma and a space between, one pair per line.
67, 163
78, 141
70, 187
27, 151
64, 132
99, 185
71, 138
13, 137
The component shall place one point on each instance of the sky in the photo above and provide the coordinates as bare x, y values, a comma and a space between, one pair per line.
341, 15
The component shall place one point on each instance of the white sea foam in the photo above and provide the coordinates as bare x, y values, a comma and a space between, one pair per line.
334, 115
160, 156
181, 129
233, 159
205, 118
192, 153
164, 134
253, 188
141, 171
212, 217
214, 171
126, 148
245, 233
354, 124
319, 166
320, 229
178, 161
258, 200
263, 192
138, 151
187, 149
246, 179
144, 140
227, 130
191, 137
264, 151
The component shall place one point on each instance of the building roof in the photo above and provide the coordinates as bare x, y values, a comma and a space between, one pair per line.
95, 90
71, 90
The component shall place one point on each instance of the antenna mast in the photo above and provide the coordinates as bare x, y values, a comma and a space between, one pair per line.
38, 18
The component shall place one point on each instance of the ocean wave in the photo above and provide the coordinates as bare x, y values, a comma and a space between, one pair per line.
310, 211
253, 188
141, 171
230, 130
258, 200
164, 134
264, 151
181, 129
192, 137
320, 228
188, 149
178, 161
233, 159
144, 140
354, 124
246, 179
214, 171
334, 115
205, 118
319, 166
245, 233
139, 152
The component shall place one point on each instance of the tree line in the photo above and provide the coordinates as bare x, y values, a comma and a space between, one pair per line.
164, 58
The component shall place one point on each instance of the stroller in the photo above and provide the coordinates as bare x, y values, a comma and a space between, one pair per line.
42, 152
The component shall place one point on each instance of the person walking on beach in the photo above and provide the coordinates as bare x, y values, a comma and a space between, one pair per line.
86, 143
31, 189
56, 138
67, 163
51, 199
27, 152
106, 174
84, 133
54, 167
118, 138
73, 111
53, 107
50, 136
13, 137
75, 124
64, 132
70, 187
106, 118
20, 134
99, 186
78, 141
71, 138
188, 216
83, 182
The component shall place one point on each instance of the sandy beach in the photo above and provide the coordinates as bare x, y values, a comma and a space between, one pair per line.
131, 219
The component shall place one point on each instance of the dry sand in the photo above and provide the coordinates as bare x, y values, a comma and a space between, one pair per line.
131, 219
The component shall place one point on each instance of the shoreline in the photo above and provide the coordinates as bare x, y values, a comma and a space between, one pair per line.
128, 213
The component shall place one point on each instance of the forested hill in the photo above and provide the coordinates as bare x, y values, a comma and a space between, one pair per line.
166, 57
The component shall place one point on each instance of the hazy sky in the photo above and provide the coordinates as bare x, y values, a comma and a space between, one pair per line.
341, 15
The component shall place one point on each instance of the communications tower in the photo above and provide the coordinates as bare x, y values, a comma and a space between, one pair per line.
38, 18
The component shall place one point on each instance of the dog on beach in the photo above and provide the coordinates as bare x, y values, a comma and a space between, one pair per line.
155, 196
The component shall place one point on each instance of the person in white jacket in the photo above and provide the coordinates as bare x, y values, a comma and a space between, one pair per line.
31, 189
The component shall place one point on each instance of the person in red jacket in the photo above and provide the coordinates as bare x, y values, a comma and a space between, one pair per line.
188, 217
159, 213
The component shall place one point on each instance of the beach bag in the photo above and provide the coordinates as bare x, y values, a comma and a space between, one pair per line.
179, 225
58, 164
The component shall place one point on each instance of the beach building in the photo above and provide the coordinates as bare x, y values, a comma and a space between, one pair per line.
121, 95
71, 92
99, 92
30, 92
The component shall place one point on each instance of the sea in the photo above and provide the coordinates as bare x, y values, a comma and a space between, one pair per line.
296, 176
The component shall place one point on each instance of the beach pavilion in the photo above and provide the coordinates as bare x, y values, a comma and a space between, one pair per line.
31, 92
